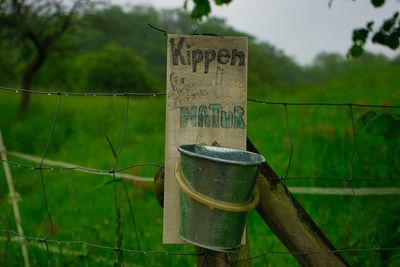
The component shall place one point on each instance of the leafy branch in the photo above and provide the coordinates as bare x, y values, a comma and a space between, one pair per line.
388, 35
202, 8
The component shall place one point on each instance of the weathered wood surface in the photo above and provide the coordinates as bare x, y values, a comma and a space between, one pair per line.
14, 200
211, 258
206, 104
290, 222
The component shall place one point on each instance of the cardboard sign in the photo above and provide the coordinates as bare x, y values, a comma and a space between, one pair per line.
206, 104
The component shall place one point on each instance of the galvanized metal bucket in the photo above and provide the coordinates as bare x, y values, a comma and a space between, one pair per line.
217, 189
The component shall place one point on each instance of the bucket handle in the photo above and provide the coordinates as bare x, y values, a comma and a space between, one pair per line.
210, 202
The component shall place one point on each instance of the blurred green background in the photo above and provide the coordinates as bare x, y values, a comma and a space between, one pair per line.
114, 50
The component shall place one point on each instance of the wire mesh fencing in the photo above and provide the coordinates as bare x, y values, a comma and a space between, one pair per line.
48, 241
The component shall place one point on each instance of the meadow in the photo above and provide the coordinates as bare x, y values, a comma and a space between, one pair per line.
82, 206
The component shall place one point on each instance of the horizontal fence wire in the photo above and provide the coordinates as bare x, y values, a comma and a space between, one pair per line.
93, 245
321, 104
157, 94
50, 93
84, 169
297, 190
64, 251
117, 172
12, 233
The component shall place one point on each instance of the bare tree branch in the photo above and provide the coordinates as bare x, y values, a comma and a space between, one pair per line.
40, 23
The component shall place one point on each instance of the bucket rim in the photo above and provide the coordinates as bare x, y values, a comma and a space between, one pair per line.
220, 249
260, 159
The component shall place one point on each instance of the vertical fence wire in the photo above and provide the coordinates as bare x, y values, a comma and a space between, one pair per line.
42, 181
289, 136
118, 230
135, 228
350, 179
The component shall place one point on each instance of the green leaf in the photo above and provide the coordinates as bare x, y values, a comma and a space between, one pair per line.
393, 41
397, 31
380, 38
394, 132
381, 124
356, 50
117, 180
221, 2
396, 117
388, 24
110, 145
365, 119
118, 214
201, 8
377, 3
360, 35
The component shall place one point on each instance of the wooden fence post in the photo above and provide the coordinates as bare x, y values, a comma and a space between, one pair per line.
286, 218
14, 201
210, 258
291, 223
206, 257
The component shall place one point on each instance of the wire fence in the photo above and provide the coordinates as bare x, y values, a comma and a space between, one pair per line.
52, 165
116, 172
62, 166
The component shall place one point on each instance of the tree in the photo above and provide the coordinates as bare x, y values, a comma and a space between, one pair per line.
126, 29
387, 35
36, 25
118, 68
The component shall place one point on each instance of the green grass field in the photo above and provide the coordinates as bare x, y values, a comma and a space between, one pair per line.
322, 139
